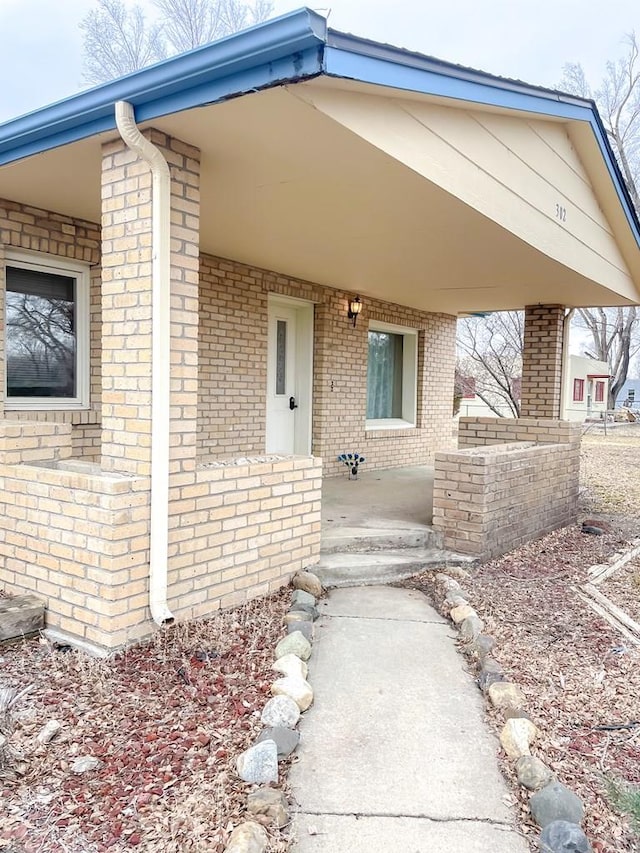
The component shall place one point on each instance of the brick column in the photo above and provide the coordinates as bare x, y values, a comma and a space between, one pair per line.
126, 305
542, 361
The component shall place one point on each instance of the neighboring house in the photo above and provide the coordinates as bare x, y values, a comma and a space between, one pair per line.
586, 390
629, 394
250, 258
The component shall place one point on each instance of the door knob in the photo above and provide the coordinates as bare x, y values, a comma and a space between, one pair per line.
292, 403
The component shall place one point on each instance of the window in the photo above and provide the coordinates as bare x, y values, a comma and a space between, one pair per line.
391, 376
599, 392
47, 331
578, 390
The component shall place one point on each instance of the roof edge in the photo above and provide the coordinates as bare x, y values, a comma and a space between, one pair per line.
285, 48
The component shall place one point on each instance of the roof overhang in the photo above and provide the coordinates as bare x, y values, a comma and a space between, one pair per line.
313, 164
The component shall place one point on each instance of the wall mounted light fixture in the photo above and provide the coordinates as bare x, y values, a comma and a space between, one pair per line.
355, 307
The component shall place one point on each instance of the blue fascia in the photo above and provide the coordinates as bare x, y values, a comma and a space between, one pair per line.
288, 48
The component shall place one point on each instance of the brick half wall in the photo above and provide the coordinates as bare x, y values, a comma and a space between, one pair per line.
79, 538
511, 481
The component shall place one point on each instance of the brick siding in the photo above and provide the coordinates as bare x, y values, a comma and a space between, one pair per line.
542, 361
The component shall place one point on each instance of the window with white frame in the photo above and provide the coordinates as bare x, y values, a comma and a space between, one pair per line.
391, 376
47, 332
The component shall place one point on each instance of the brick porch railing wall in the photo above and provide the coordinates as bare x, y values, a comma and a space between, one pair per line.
511, 481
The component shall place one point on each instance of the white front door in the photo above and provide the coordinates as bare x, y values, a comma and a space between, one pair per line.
289, 378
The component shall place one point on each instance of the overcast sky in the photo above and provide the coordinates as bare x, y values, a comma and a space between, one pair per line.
41, 45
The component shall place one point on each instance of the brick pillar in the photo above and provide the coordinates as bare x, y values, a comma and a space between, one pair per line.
126, 305
542, 361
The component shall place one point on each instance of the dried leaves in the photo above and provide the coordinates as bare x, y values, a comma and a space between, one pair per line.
165, 719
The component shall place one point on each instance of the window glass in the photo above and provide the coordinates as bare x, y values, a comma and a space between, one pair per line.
281, 356
384, 375
578, 390
41, 334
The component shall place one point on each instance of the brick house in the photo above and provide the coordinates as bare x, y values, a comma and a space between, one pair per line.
221, 271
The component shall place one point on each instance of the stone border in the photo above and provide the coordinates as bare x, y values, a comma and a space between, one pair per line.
292, 695
554, 807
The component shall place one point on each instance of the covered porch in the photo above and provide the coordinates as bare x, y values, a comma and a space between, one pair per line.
217, 215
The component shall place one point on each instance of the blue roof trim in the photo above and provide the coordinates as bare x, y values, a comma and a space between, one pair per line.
352, 58
285, 48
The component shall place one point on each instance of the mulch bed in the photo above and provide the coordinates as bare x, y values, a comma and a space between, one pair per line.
167, 720
578, 677
623, 589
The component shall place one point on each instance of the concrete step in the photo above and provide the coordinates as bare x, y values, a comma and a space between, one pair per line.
354, 569
367, 539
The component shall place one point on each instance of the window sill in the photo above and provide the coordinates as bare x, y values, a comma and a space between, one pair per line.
44, 406
388, 423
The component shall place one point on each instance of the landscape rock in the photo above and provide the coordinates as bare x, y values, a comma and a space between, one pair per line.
301, 597
286, 740
471, 627
290, 665
311, 609
48, 731
305, 628
454, 599
533, 773
297, 616
592, 529
308, 582
259, 763
269, 802
296, 688
462, 612
483, 646
84, 764
503, 694
555, 802
447, 582
294, 644
517, 735
248, 837
561, 836
486, 678
280, 711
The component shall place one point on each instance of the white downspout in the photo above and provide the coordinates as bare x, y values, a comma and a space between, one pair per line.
564, 381
160, 356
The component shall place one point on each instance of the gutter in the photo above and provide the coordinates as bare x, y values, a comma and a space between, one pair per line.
160, 356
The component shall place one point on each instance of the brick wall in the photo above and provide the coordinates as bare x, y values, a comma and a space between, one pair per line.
232, 364
511, 481
28, 228
79, 538
542, 361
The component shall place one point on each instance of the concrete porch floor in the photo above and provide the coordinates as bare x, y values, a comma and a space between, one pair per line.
393, 499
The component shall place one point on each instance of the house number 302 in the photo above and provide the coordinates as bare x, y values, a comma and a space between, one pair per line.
561, 213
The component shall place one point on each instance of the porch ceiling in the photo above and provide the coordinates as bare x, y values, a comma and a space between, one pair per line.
399, 198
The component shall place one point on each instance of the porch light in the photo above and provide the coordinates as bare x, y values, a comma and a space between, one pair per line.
355, 307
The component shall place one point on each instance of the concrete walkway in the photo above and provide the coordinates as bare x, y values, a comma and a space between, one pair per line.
394, 754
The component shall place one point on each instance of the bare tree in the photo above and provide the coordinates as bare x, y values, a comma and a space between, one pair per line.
618, 101
118, 38
490, 353
614, 332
